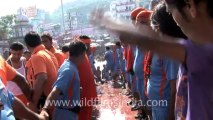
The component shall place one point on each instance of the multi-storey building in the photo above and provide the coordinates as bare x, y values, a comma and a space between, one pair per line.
122, 8
148, 4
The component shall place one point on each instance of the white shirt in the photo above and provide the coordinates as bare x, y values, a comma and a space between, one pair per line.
12, 86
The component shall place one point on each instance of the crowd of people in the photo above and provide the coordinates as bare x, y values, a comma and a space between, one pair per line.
163, 55
173, 58
31, 78
148, 76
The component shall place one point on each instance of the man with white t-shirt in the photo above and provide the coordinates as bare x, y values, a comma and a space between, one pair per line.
16, 61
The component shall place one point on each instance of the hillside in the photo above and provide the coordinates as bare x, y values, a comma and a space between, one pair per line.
80, 6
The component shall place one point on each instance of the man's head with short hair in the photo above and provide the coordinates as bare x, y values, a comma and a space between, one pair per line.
16, 46
77, 51
118, 44
84, 37
76, 48
107, 48
86, 40
32, 40
16, 50
47, 41
65, 48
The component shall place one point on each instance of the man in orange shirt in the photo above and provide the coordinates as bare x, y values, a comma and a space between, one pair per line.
44, 67
87, 83
48, 43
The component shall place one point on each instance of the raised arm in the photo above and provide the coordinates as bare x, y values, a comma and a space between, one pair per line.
162, 45
144, 37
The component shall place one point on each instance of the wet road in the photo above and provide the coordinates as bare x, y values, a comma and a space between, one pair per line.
113, 104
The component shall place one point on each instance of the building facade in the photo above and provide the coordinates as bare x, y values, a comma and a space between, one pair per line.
53, 29
21, 28
148, 4
121, 9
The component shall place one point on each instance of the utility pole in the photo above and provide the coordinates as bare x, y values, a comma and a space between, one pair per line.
62, 10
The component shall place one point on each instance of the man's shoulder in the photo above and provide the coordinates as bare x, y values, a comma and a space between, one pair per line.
42, 54
68, 69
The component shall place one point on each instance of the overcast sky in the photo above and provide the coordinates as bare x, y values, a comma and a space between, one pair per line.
11, 6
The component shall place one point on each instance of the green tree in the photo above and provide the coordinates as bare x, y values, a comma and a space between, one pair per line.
5, 25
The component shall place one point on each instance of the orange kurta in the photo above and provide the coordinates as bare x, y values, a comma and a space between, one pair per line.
89, 89
42, 61
6, 71
59, 56
130, 58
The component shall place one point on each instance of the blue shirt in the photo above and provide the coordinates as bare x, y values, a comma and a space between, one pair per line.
7, 99
68, 80
120, 62
159, 87
109, 59
92, 62
139, 64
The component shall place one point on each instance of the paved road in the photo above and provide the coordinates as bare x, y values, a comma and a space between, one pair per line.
112, 104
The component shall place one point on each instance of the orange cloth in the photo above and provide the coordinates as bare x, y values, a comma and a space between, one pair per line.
6, 71
87, 83
43, 61
144, 16
135, 12
66, 55
29, 73
22, 98
59, 56
130, 58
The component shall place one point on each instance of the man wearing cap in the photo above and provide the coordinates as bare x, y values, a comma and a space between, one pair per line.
131, 56
142, 18
137, 66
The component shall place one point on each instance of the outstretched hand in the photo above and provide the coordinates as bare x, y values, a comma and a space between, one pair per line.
127, 33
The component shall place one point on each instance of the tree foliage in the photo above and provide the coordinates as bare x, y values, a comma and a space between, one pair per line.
5, 25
